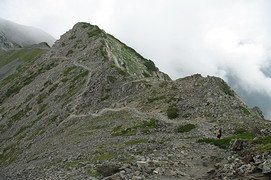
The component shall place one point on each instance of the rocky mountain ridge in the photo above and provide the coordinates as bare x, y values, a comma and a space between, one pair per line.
90, 107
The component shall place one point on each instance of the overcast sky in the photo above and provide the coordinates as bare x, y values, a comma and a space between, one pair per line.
226, 38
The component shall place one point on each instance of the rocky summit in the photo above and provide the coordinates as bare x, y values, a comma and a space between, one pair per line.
90, 107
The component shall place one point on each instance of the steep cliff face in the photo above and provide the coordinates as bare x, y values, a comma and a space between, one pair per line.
90, 100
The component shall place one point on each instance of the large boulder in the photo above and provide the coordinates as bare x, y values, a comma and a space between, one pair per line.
238, 144
267, 166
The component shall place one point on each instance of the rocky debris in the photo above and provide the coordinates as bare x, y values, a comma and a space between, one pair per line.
265, 132
267, 166
258, 111
107, 170
238, 144
237, 168
117, 176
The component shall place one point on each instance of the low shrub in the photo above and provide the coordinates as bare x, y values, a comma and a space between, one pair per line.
144, 127
227, 90
172, 113
152, 99
262, 140
69, 52
225, 142
240, 131
150, 65
185, 128
245, 110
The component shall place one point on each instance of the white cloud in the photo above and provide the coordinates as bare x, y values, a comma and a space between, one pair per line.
226, 38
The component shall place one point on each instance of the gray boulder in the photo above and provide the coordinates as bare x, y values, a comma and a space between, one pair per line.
267, 166
238, 144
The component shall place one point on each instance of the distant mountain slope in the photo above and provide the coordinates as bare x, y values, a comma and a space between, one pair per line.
16, 35
13, 58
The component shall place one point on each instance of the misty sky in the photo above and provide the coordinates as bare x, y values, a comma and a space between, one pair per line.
226, 38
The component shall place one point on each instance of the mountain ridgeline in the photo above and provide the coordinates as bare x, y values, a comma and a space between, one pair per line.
90, 107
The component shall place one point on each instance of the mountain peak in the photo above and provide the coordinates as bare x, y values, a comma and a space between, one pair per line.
86, 41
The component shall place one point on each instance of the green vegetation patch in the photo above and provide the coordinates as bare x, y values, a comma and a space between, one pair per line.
29, 97
185, 128
103, 52
72, 164
240, 131
111, 79
245, 110
105, 97
9, 154
53, 88
131, 160
95, 32
77, 80
13, 90
226, 89
15, 56
39, 130
94, 174
69, 52
150, 65
68, 70
120, 71
146, 74
64, 80
125, 132
21, 113
117, 128
105, 157
138, 141
262, 140
189, 137
172, 113
33, 159
152, 123
225, 142
72, 37
85, 25
81, 75
24, 80
144, 127
42, 108
264, 148
157, 98
30, 57
21, 55
22, 129
41, 97
53, 119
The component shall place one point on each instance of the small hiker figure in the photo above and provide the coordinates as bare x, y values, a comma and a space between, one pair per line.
218, 133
